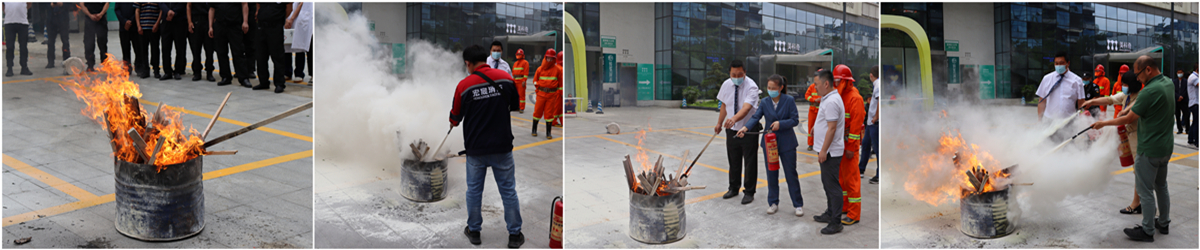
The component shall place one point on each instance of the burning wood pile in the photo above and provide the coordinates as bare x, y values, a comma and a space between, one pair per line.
112, 100
654, 179
980, 180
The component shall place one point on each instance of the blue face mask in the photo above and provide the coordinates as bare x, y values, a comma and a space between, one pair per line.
1125, 89
738, 81
496, 55
1060, 69
773, 93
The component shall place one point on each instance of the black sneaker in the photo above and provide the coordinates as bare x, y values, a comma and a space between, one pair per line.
832, 228
747, 199
1162, 228
50, 65
515, 240
848, 221
8, 72
473, 236
25, 71
196, 77
1137, 234
874, 180
729, 194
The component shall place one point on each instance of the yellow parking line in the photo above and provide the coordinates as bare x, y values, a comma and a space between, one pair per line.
235, 122
535, 144
671, 156
48, 179
51, 211
1130, 169
760, 185
33, 80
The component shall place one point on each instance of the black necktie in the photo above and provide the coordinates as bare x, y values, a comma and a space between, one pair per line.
736, 106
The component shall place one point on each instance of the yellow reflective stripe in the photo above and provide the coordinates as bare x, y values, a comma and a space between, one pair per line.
855, 200
548, 78
855, 137
518, 68
844, 193
847, 115
522, 101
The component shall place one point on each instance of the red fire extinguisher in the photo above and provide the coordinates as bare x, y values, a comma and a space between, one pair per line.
556, 224
1126, 152
772, 151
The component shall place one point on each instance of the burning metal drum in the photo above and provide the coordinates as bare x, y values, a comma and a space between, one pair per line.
985, 215
160, 206
657, 219
423, 181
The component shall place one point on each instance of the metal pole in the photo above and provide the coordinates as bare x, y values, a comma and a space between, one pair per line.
1172, 42
843, 54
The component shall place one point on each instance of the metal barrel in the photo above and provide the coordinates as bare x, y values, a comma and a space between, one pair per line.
657, 219
160, 206
423, 181
985, 215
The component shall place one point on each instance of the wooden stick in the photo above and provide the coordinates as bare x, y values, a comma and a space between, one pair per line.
111, 134
225, 152
439, 148
138, 143
629, 176
258, 124
156, 149
158, 115
215, 115
689, 169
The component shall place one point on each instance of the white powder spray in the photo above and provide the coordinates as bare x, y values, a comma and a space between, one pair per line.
363, 105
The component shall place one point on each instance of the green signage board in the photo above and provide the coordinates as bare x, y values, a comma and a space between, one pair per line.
664, 82
951, 45
609, 64
952, 70
608, 41
645, 81
398, 53
987, 82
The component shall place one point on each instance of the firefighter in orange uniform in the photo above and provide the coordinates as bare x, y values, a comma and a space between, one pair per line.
814, 101
558, 97
1105, 89
849, 177
520, 71
1117, 88
547, 83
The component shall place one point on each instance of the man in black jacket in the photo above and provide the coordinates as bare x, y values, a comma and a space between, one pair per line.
95, 32
202, 45
127, 30
228, 24
1181, 100
174, 32
269, 44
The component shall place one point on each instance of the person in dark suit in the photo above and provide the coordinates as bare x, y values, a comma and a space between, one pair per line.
1181, 99
202, 45
228, 23
95, 32
782, 117
57, 27
269, 43
127, 30
174, 32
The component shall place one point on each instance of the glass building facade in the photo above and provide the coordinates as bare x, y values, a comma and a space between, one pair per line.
694, 43
458, 25
1027, 35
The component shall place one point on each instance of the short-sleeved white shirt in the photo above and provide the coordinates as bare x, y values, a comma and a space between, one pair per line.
831, 109
499, 64
14, 12
1060, 103
874, 106
1191, 88
749, 95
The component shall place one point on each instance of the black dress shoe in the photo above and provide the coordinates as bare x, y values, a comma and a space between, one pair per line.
730, 194
261, 86
473, 236
25, 71
210, 77
144, 74
747, 199
278, 89
245, 83
1137, 234
50, 66
178, 76
822, 218
1162, 228
832, 228
156, 74
168, 76
516, 240
225, 81
195, 77
8, 72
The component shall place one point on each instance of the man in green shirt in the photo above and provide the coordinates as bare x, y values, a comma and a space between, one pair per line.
1153, 112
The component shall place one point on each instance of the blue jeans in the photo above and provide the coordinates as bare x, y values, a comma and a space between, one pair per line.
787, 163
504, 172
870, 145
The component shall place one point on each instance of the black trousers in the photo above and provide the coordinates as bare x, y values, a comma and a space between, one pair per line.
833, 189
130, 42
95, 34
743, 160
148, 49
301, 58
57, 30
174, 36
269, 45
202, 47
250, 53
1181, 116
15, 34
228, 38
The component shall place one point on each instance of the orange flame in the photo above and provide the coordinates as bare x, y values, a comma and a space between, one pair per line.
941, 176
108, 95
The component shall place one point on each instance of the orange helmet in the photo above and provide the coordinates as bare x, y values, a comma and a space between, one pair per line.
1099, 70
842, 73
560, 58
1124, 68
520, 53
550, 53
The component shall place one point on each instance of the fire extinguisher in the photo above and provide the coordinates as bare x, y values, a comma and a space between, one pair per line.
1126, 152
556, 224
772, 151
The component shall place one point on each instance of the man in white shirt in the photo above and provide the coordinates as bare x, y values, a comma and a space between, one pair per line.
739, 96
1192, 86
494, 59
829, 133
1061, 91
16, 24
870, 143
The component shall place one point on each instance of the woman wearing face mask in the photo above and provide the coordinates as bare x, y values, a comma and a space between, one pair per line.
1128, 94
782, 116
